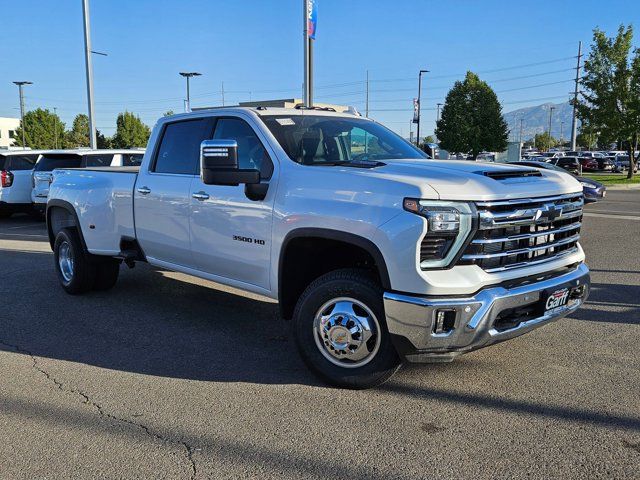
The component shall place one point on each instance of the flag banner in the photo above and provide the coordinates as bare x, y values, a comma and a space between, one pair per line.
312, 18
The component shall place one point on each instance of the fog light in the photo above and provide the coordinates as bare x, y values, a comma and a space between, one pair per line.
445, 321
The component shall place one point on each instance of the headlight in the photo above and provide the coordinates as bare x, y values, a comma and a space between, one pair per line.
448, 226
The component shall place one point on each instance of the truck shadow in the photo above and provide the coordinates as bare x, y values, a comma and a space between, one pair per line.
150, 324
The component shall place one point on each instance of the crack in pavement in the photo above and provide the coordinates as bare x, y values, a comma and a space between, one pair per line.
189, 450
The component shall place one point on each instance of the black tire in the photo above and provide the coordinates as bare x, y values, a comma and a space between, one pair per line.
107, 272
81, 276
357, 285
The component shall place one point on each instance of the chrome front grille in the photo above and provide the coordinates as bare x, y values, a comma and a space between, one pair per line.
524, 232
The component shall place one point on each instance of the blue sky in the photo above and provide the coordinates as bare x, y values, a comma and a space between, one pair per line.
255, 48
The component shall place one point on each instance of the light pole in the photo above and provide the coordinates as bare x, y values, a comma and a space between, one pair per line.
419, 93
188, 75
551, 109
20, 85
89, 68
561, 133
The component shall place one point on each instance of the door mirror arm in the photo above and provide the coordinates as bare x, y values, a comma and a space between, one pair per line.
256, 191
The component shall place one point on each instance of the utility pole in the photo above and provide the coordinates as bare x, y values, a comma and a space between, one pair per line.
574, 123
89, 68
551, 109
55, 127
521, 128
366, 109
309, 35
222, 90
561, 133
21, 93
438, 105
188, 75
419, 94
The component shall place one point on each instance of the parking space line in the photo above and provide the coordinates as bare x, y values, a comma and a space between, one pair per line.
611, 216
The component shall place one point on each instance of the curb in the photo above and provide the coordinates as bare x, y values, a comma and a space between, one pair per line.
634, 186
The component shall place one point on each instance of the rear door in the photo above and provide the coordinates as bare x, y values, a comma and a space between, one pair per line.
231, 234
163, 192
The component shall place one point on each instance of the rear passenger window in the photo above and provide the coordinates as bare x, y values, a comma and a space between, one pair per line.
179, 150
132, 159
102, 160
21, 162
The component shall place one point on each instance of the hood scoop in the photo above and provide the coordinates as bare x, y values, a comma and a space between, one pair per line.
508, 174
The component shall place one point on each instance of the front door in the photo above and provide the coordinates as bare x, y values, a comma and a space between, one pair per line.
162, 195
231, 234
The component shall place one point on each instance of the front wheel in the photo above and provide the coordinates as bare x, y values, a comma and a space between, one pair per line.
340, 330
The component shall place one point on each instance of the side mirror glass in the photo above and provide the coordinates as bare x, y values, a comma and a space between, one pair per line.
219, 164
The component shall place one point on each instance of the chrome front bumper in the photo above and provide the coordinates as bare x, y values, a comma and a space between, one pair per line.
480, 320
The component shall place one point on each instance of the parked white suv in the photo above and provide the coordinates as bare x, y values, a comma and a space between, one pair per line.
374, 252
15, 180
80, 158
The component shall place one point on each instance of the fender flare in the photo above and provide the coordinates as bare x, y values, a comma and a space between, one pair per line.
55, 203
338, 235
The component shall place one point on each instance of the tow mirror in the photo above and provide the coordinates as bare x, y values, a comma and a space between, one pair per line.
219, 164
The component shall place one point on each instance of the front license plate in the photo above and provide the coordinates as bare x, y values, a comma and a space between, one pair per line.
556, 299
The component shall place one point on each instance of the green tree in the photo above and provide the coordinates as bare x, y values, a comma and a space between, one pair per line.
78, 136
611, 86
544, 141
103, 141
42, 130
471, 119
130, 132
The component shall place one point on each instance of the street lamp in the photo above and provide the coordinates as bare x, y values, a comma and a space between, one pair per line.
20, 85
188, 75
418, 116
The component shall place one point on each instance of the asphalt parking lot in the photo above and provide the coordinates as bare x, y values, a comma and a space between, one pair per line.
167, 376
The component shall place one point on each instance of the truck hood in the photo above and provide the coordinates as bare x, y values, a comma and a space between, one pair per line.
478, 181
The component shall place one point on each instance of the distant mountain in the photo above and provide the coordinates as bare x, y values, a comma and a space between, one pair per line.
536, 120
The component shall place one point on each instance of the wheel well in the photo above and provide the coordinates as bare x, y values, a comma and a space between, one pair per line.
306, 258
59, 217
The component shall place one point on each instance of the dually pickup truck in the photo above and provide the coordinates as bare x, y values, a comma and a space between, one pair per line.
376, 253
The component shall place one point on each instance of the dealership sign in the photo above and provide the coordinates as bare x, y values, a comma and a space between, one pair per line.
312, 18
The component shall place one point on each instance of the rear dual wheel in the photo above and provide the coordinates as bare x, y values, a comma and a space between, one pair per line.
78, 271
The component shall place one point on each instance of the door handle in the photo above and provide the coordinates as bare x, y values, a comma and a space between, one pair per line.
200, 196
144, 190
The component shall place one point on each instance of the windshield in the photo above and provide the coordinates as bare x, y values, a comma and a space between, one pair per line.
49, 162
326, 140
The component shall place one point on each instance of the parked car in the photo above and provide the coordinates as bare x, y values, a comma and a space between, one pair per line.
570, 164
372, 255
593, 191
622, 163
79, 158
605, 163
15, 180
587, 163
486, 157
552, 154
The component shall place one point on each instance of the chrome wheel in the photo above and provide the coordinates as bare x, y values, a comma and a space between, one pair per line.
65, 261
347, 332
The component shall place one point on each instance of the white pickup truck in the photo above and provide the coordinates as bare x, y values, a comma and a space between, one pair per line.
375, 253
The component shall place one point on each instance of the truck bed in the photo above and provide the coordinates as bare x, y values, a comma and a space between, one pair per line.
102, 198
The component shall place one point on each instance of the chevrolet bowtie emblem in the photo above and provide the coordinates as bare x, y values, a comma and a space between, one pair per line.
548, 213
